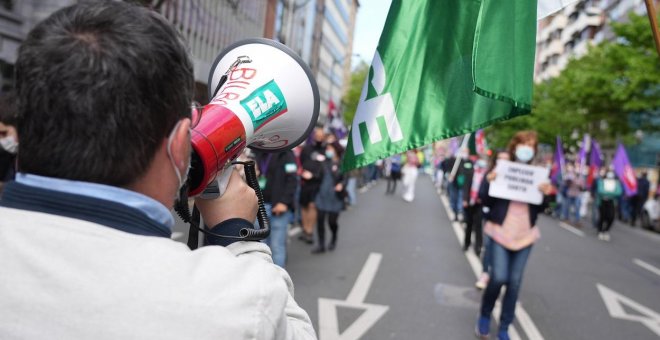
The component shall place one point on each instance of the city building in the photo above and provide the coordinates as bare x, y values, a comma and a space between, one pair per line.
321, 32
564, 35
211, 25
207, 25
568, 33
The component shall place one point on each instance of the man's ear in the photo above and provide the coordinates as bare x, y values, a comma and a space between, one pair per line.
181, 145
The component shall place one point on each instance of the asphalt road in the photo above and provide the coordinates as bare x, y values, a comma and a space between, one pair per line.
398, 272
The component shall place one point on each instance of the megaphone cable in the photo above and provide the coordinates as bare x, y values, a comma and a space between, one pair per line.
244, 234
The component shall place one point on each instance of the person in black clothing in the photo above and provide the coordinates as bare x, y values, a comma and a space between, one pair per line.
311, 160
278, 183
330, 199
8, 139
637, 201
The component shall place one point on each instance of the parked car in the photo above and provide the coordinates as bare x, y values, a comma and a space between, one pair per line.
651, 214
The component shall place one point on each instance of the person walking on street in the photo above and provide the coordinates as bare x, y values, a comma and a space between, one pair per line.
311, 158
409, 172
394, 169
637, 201
457, 185
512, 228
571, 198
330, 199
472, 204
484, 277
278, 182
608, 191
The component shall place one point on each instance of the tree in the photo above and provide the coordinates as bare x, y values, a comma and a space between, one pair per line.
609, 93
352, 96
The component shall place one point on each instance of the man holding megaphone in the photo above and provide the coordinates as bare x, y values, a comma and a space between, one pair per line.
104, 91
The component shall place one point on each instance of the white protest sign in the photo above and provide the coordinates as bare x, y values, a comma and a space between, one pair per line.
518, 182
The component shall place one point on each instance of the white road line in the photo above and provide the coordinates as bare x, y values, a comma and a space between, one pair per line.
572, 229
364, 280
647, 266
524, 320
177, 235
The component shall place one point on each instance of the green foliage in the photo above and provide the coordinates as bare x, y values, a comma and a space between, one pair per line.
609, 93
352, 96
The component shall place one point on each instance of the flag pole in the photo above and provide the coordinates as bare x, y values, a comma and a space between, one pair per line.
650, 10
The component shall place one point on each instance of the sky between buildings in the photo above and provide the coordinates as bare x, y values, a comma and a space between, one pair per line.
369, 24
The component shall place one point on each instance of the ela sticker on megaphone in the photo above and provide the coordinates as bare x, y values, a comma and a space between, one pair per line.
269, 101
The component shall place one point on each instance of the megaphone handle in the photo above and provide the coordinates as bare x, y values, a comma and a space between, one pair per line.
217, 188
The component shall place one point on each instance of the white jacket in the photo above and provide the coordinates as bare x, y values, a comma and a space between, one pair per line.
64, 278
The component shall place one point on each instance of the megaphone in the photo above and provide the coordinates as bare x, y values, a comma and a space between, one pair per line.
263, 97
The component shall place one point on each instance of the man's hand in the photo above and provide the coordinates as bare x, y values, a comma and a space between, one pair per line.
491, 176
279, 209
238, 201
339, 187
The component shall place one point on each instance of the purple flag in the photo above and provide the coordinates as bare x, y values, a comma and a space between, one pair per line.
557, 171
595, 162
581, 161
624, 171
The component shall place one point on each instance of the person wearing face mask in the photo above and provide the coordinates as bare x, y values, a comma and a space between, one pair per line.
330, 199
608, 191
8, 139
86, 227
311, 158
512, 229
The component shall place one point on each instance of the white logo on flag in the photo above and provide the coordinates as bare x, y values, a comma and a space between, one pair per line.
369, 110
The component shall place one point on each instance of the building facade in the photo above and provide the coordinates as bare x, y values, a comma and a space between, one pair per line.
568, 33
16, 20
211, 25
565, 35
321, 32
207, 25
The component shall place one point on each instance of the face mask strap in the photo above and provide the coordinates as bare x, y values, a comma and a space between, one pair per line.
169, 153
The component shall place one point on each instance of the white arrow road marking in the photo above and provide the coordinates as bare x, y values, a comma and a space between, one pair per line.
328, 323
522, 316
647, 266
614, 302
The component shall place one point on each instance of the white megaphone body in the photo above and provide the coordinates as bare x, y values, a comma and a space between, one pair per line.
263, 96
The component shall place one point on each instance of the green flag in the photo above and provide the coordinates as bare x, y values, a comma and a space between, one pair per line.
443, 69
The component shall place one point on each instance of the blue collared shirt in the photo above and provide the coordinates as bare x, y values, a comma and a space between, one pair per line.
149, 206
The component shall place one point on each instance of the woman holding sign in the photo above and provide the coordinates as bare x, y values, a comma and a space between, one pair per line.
511, 227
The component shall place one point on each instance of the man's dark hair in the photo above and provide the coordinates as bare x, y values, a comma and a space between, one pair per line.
99, 86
